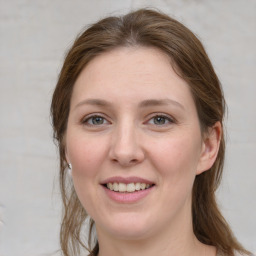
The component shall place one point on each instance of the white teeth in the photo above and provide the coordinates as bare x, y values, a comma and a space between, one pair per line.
142, 185
115, 187
137, 186
122, 187
130, 187
110, 186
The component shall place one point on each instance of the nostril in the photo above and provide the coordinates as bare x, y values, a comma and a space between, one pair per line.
125, 150
125, 161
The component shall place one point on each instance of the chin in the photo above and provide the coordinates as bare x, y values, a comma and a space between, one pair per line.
130, 233
128, 227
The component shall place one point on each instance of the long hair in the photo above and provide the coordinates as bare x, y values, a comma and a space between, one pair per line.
152, 28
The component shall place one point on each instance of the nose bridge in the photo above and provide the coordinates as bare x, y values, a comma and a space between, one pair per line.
125, 147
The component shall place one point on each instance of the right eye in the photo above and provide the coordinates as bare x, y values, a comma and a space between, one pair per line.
95, 120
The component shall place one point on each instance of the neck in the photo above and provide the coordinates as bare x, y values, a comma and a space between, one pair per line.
138, 248
166, 243
171, 239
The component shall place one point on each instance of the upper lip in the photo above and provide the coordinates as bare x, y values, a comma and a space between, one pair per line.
126, 180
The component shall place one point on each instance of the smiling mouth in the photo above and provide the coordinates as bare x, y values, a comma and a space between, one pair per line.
127, 188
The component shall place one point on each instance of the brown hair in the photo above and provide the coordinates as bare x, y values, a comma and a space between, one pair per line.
146, 27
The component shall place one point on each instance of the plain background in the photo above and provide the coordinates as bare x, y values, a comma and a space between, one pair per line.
35, 34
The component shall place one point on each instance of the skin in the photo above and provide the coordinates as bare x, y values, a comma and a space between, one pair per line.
128, 140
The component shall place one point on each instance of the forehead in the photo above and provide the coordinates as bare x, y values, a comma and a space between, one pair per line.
131, 71
127, 61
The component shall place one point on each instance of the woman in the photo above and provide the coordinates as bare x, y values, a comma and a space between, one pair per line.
137, 113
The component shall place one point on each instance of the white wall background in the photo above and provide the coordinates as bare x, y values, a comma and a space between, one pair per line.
35, 34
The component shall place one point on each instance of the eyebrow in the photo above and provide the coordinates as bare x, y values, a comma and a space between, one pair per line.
143, 104
96, 102
160, 102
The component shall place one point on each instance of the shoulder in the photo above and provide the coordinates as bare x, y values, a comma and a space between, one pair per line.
236, 254
239, 254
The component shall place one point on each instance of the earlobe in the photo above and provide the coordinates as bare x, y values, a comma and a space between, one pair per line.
210, 148
66, 156
68, 163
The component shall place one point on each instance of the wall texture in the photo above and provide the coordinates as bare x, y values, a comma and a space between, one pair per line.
33, 38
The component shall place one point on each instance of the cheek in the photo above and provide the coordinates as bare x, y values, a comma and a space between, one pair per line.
176, 162
177, 158
86, 155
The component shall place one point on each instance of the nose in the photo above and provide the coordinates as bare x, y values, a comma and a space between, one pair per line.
126, 148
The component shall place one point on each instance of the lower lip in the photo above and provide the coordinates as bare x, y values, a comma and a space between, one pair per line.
131, 197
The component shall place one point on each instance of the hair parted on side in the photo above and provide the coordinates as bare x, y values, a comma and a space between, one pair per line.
147, 28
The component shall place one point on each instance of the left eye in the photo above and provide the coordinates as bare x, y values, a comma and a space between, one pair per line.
160, 120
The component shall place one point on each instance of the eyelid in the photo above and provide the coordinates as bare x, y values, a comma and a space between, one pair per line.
168, 117
85, 119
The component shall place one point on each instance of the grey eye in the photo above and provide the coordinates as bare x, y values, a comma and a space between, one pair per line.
96, 120
159, 120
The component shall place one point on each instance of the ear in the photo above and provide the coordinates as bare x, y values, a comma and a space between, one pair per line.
210, 148
66, 156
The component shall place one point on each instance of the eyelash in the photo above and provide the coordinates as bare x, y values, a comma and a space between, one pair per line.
89, 120
165, 117
86, 120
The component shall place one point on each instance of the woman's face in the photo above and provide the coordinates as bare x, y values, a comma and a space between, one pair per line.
134, 141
